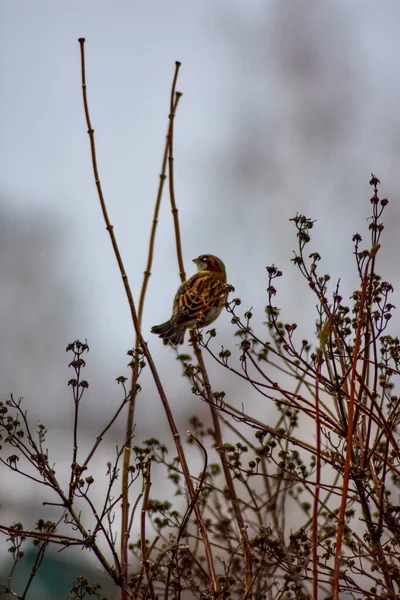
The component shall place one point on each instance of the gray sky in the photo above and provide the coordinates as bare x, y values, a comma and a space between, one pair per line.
286, 108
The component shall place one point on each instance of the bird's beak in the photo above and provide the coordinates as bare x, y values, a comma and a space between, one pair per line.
196, 261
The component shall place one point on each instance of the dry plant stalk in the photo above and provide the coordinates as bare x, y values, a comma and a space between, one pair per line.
204, 374
142, 344
237, 538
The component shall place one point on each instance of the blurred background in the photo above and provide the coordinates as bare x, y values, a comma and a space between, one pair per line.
287, 108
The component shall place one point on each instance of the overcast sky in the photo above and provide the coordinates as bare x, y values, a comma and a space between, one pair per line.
287, 107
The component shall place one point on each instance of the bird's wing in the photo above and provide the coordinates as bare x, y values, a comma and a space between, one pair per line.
197, 295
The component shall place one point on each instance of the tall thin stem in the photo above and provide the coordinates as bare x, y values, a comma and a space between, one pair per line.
143, 345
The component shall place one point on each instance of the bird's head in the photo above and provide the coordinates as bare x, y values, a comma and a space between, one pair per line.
211, 263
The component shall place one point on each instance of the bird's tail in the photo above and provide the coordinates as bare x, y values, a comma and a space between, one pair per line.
170, 333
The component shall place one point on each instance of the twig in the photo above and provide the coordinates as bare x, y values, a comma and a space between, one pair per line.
174, 210
143, 345
317, 480
126, 523
226, 469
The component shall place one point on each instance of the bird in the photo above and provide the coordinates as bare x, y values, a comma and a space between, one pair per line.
198, 301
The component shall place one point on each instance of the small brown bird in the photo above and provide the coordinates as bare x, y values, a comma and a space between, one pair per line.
198, 301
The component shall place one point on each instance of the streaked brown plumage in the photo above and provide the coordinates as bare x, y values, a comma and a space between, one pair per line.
198, 301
